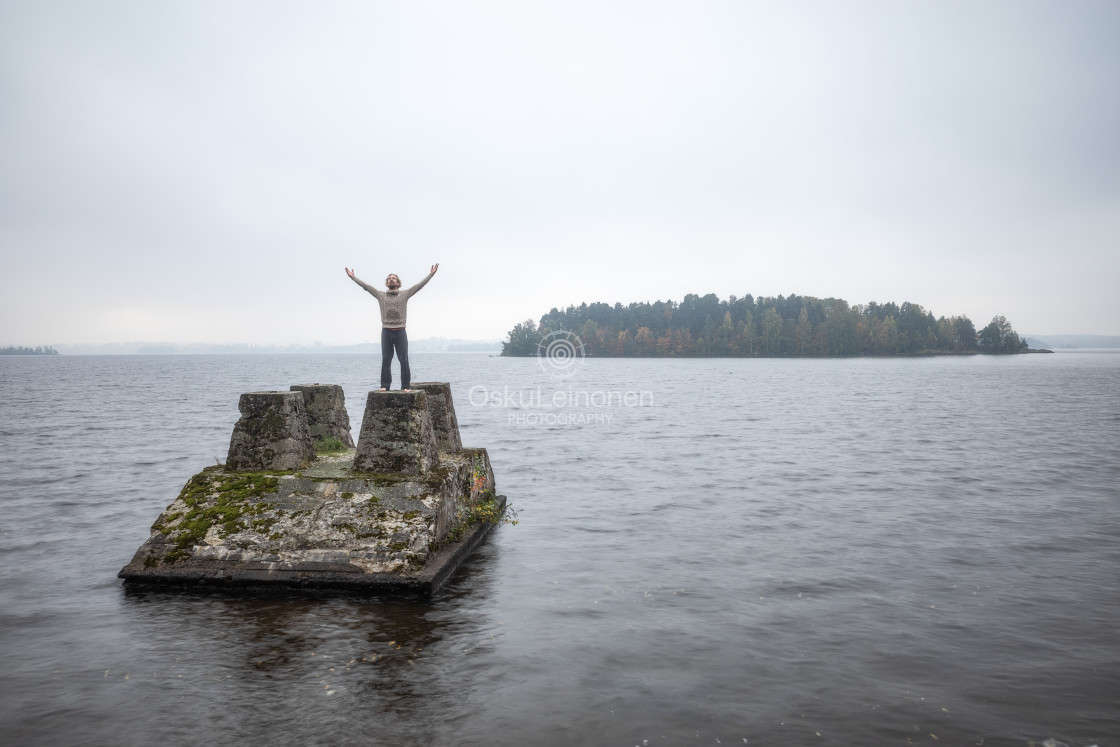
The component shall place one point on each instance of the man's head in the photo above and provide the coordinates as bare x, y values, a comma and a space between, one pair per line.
393, 282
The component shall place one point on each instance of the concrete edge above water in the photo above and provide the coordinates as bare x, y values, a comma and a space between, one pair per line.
234, 575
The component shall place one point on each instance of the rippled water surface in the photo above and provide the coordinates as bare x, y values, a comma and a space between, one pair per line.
764, 552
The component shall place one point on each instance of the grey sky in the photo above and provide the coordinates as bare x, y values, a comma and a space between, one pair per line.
200, 171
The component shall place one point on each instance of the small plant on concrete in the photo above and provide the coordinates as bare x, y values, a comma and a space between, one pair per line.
478, 475
485, 506
329, 446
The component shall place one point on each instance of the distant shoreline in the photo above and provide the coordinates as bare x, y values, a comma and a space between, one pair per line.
424, 345
40, 350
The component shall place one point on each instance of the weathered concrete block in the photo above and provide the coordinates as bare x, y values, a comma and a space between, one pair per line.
441, 409
272, 434
326, 412
397, 434
396, 514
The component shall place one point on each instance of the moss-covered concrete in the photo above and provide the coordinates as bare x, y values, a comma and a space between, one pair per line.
325, 517
326, 524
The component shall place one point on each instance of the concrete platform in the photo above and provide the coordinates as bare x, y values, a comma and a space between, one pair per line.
335, 523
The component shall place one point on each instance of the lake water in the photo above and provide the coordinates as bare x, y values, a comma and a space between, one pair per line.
863, 551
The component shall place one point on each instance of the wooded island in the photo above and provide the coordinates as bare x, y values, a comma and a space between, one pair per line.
779, 326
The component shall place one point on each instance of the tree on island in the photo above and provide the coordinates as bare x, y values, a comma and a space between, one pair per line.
998, 337
523, 339
706, 326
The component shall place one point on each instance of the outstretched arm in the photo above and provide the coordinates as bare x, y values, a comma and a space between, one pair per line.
354, 277
423, 282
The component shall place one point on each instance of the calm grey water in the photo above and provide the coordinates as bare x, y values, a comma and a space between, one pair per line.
766, 552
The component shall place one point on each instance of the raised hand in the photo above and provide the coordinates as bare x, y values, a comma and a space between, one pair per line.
349, 272
434, 268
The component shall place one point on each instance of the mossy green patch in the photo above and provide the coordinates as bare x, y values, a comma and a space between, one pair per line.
213, 498
175, 555
330, 446
262, 526
385, 479
162, 524
484, 509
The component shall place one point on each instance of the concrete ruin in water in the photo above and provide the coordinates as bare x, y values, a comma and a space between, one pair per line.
400, 511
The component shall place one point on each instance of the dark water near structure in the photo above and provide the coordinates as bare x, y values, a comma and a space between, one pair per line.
765, 552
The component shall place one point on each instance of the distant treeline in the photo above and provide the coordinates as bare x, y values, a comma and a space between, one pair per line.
48, 350
422, 345
783, 326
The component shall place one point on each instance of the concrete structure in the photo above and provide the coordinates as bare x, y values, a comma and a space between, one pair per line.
273, 433
326, 412
397, 434
442, 410
397, 513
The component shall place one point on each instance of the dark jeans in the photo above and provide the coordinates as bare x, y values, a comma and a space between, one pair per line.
390, 339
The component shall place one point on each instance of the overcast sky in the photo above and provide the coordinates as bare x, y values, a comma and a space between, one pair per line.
198, 171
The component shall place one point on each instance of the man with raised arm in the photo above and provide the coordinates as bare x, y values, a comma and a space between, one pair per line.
394, 310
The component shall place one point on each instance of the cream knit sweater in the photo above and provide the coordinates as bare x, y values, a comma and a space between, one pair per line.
394, 304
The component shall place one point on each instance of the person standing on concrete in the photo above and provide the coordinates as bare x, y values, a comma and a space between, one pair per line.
394, 309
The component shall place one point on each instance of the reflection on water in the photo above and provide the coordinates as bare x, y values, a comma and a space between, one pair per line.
336, 655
